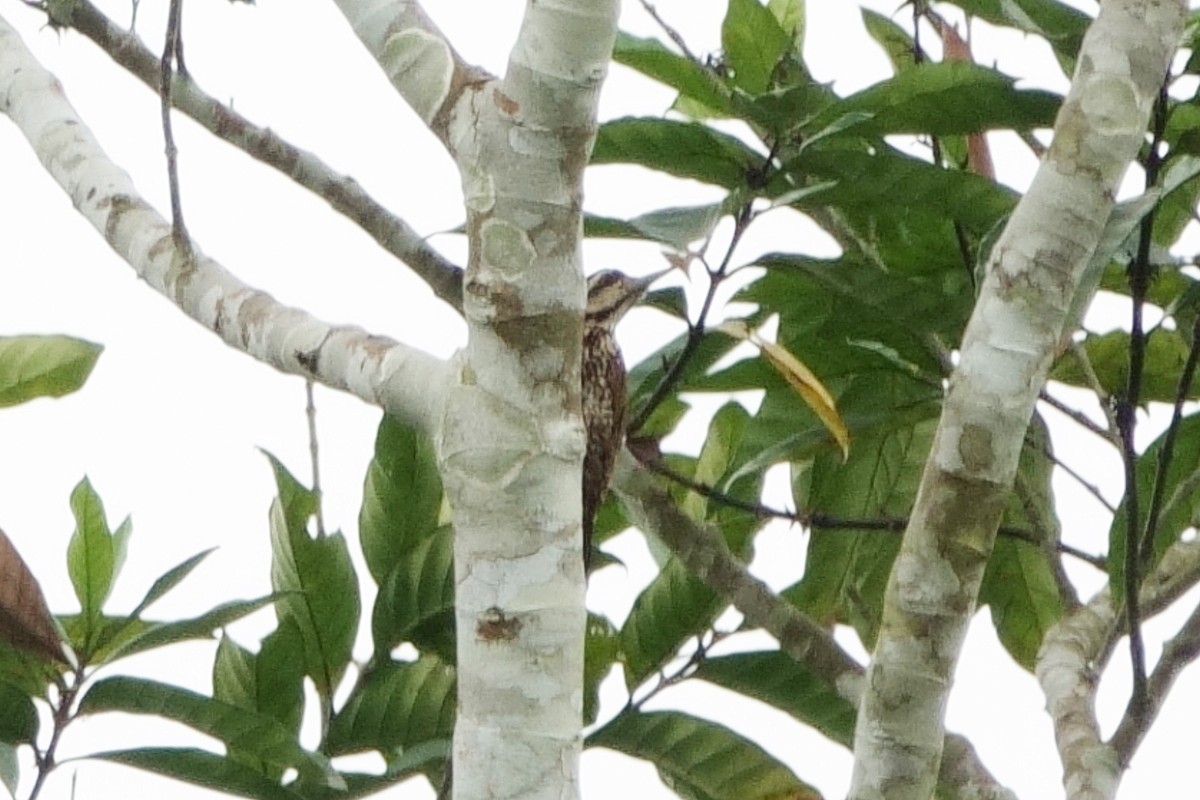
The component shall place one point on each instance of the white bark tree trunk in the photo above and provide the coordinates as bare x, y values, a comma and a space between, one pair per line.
1006, 353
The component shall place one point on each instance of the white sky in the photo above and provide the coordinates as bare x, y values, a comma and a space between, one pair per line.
168, 426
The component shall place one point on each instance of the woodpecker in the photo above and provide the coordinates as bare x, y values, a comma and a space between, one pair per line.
605, 403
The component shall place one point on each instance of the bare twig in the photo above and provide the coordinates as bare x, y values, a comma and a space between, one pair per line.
1086, 422
310, 411
344, 194
173, 56
671, 33
62, 713
696, 330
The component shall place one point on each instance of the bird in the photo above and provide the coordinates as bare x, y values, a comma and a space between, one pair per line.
610, 294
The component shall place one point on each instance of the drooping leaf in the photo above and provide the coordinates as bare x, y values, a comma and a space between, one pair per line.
1180, 507
43, 366
241, 729
780, 681
18, 716
25, 621
397, 706
201, 768
402, 497
683, 149
896, 42
654, 60
316, 582
944, 99
415, 602
601, 650
1108, 353
701, 759
676, 227
169, 580
10, 768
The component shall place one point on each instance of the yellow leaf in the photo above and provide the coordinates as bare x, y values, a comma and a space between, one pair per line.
800, 378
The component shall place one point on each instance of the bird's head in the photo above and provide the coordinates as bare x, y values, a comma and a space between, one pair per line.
611, 293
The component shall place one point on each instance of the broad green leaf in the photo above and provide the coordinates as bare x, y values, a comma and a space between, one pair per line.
18, 716
1181, 501
118, 637
1166, 352
396, 706
754, 42
848, 567
675, 606
30, 673
91, 557
943, 99
791, 17
896, 42
402, 497
683, 149
677, 227
778, 680
201, 768
415, 602
1058, 23
316, 582
1019, 586
241, 729
43, 366
654, 60
602, 645
701, 759
169, 580
10, 768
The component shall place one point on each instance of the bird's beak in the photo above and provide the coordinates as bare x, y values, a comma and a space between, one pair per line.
643, 284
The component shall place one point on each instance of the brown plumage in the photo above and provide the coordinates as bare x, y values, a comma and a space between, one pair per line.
605, 405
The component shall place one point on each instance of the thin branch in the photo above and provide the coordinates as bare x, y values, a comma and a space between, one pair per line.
310, 412
1167, 453
1083, 420
671, 33
61, 713
1139, 274
816, 519
704, 554
1088, 486
344, 194
1181, 650
400, 379
696, 330
172, 55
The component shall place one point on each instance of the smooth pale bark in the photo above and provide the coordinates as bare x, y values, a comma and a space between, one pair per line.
1006, 352
400, 379
1072, 658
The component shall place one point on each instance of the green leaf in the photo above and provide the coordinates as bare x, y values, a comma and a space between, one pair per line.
701, 759
674, 607
780, 681
18, 716
119, 637
654, 60
402, 497
1059, 24
677, 227
10, 768
944, 99
1181, 501
683, 149
43, 366
316, 582
201, 768
415, 602
396, 706
242, 730
92, 556
895, 41
791, 17
1166, 352
602, 647
169, 580
753, 42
